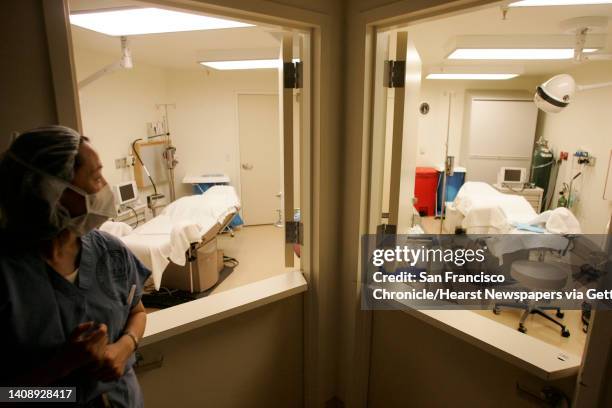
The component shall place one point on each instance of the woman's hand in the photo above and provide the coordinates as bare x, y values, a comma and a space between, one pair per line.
114, 359
86, 345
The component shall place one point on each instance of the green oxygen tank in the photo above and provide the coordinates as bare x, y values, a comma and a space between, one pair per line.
541, 167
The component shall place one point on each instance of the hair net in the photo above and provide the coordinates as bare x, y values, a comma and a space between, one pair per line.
29, 212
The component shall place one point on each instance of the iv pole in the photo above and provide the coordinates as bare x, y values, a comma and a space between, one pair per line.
448, 164
170, 151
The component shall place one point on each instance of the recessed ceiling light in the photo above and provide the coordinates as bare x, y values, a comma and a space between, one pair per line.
243, 64
514, 53
148, 21
490, 77
536, 3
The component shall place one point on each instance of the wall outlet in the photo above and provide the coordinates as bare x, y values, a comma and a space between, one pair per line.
155, 129
121, 163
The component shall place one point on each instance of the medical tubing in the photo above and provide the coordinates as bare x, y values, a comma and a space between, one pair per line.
551, 192
135, 213
142, 164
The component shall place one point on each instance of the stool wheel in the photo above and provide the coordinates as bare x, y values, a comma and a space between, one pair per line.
565, 332
560, 314
496, 311
522, 329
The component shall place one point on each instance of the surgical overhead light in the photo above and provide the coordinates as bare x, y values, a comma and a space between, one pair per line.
136, 21
557, 93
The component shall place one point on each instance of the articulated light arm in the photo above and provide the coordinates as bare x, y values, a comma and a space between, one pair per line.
124, 63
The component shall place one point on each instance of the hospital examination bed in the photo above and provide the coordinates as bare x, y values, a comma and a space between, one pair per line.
183, 236
479, 208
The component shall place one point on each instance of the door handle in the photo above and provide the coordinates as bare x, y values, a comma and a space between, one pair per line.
247, 166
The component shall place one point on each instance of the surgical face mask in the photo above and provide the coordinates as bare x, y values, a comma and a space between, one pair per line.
99, 206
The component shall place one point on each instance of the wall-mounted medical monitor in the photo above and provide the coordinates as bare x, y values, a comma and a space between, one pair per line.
126, 192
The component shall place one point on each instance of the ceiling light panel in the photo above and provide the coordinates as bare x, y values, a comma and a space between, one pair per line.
148, 21
538, 3
514, 53
469, 77
243, 64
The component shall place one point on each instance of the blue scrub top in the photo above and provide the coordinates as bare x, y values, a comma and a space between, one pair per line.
39, 309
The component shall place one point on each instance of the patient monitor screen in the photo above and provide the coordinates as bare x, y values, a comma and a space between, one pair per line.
512, 175
126, 192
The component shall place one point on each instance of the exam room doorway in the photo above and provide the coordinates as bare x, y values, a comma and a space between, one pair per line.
179, 90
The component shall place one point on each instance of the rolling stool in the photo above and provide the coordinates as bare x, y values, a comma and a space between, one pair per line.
537, 276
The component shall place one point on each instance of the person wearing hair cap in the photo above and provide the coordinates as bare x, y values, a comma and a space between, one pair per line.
70, 307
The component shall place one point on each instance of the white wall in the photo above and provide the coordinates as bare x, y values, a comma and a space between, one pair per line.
116, 108
586, 124
204, 124
433, 126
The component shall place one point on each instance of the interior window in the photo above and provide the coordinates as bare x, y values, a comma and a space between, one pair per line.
494, 127
186, 111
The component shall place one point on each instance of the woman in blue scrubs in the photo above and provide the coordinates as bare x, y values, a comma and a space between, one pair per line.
70, 308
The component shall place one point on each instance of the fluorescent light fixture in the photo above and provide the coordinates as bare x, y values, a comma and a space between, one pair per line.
514, 53
148, 21
490, 77
245, 64
537, 3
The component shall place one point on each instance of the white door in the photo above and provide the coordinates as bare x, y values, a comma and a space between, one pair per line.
260, 155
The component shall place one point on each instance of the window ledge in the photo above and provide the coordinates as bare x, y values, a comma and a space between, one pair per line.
533, 355
179, 319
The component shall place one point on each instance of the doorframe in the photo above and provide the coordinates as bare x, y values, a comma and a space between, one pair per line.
317, 27
237, 94
363, 26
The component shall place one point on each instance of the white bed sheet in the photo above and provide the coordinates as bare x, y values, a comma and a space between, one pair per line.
217, 202
152, 250
169, 235
487, 210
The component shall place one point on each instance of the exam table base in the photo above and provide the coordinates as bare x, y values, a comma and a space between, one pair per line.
201, 271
